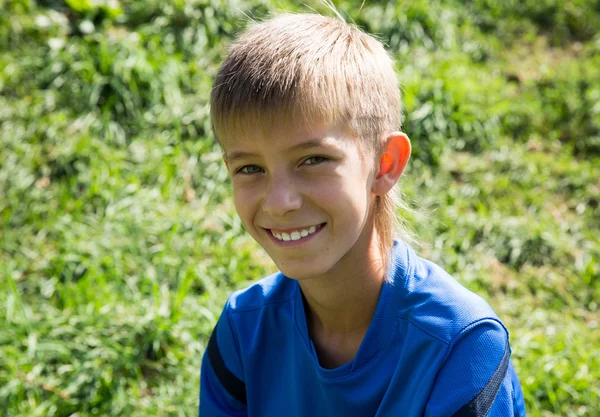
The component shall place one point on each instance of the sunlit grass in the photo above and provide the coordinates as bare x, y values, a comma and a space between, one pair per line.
119, 242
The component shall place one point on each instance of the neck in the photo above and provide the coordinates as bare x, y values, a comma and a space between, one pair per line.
344, 301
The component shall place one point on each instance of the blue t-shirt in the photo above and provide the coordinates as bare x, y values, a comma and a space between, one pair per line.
433, 348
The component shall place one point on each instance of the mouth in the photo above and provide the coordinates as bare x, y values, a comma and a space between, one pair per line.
296, 236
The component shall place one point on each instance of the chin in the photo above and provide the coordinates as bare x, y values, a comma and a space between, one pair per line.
302, 272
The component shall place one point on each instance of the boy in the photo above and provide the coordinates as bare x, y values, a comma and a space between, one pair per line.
306, 109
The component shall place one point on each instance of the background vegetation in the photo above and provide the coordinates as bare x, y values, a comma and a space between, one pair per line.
119, 242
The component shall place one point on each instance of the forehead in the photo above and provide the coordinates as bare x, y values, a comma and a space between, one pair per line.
289, 139
286, 129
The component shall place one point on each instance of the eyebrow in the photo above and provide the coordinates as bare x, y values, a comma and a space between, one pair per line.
309, 144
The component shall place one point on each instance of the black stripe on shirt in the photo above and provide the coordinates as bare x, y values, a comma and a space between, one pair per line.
232, 384
480, 405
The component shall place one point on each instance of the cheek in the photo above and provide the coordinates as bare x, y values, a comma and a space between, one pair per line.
348, 197
244, 201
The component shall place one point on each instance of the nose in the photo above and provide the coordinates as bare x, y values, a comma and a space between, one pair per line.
282, 197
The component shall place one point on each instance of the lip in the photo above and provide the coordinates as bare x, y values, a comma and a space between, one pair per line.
292, 243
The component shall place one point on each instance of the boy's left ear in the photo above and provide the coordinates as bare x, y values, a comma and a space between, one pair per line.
392, 163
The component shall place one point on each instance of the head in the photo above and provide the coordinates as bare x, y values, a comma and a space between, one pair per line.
297, 77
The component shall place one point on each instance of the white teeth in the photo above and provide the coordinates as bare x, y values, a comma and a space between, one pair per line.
297, 235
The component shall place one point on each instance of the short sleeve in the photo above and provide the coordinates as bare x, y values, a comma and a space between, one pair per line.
222, 388
477, 379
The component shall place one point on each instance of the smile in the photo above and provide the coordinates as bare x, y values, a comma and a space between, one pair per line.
293, 235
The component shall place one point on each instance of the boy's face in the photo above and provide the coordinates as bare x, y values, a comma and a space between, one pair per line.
304, 197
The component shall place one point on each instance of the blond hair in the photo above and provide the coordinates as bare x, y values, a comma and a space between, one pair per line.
299, 70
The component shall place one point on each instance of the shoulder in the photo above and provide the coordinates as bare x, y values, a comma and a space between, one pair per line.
243, 316
254, 322
272, 290
434, 301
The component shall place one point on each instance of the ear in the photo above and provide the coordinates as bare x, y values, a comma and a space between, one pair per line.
392, 163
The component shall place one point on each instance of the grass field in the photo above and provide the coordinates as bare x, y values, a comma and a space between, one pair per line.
119, 242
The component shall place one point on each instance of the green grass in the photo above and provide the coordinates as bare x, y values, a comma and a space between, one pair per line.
119, 242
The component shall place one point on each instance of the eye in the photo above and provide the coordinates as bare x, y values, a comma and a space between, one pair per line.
249, 169
314, 160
